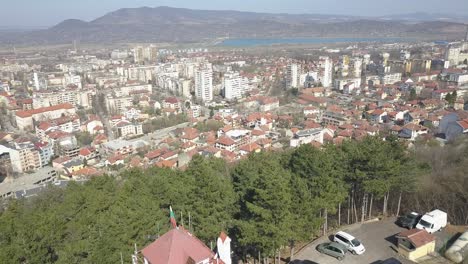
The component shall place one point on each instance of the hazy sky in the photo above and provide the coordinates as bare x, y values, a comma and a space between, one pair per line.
40, 13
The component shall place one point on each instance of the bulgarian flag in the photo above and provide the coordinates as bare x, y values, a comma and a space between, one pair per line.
173, 220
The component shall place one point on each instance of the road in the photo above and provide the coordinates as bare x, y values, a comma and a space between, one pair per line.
375, 236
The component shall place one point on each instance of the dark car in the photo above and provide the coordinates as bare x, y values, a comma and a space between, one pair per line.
409, 220
333, 249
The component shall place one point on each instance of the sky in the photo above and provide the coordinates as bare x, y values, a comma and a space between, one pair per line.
46, 13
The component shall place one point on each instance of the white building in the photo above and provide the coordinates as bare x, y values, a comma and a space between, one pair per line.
357, 64
292, 76
234, 86
204, 83
24, 118
71, 79
391, 78
307, 136
452, 55
327, 71
126, 129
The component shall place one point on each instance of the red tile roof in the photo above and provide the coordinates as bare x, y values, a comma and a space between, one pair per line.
177, 246
417, 237
226, 141
29, 113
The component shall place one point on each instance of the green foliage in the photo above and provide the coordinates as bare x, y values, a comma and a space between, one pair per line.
264, 222
84, 138
164, 122
264, 202
451, 98
412, 95
209, 125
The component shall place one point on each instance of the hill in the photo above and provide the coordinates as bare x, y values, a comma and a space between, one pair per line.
166, 24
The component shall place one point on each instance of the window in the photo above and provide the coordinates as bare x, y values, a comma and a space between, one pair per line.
342, 238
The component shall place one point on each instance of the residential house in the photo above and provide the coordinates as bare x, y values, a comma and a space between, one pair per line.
411, 131
307, 136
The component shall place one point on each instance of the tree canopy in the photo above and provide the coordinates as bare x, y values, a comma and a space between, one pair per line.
265, 202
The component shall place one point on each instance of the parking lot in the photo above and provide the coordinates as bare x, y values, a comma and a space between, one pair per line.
377, 237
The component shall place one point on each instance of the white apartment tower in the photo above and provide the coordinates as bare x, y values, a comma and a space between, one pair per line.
234, 86
292, 76
204, 83
452, 55
357, 63
327, 71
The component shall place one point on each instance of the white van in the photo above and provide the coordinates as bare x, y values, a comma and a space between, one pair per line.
353, 245
433, 221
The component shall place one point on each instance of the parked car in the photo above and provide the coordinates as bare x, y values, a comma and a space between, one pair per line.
333, 249
409, 220
350, 242
433, 221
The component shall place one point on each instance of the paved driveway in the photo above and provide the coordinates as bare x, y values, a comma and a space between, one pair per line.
375, 236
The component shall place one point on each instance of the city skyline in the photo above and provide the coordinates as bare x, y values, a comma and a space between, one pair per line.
50, 12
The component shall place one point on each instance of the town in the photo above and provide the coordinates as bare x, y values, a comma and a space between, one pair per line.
93, 113
343, 151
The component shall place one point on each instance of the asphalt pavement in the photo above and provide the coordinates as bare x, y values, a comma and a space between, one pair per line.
377, 237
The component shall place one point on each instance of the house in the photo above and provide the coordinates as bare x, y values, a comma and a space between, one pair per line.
454, 124
115, 160
226, 143
88, 153
87, 172
93, 126
268, 104
71, 166
415, 243
128, 129
178, 246
311, 110
377, 116
249, 148
307, 136
335, 119
172, 103
411, 131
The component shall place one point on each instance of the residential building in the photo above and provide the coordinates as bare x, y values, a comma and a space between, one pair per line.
127, 129
292, 76
234, 86
307, 136
24, 118
204, 83
335, 119
326, 65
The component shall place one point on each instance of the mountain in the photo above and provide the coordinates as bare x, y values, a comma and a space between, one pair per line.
167, 24
421, 16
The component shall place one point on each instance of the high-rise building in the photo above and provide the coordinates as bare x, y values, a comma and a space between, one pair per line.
327, 71
452, 55
234, 86
138, 56
292, 76
204, 83
36, 81
357, 64
385, 57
